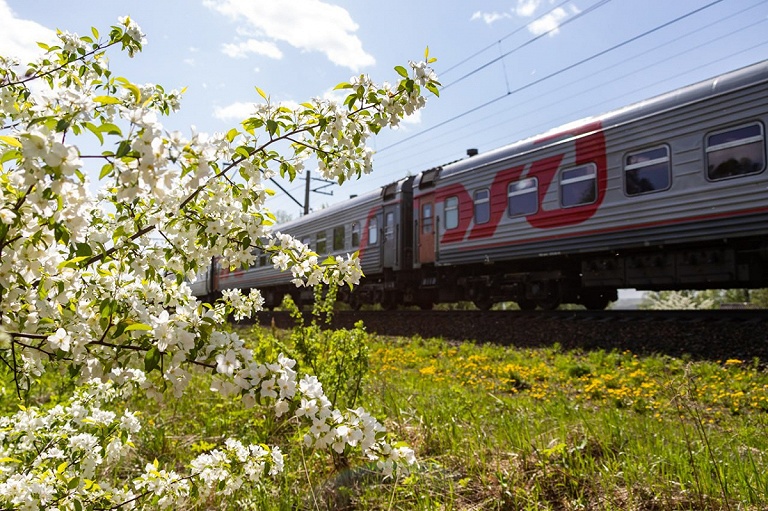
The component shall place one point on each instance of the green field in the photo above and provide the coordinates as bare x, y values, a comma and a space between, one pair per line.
497, 428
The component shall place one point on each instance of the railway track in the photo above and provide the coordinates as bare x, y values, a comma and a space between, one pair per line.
710, 334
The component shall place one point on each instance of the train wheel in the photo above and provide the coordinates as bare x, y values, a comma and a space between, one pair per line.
355, 302
526, 305
598, 300
484, 303
389, 302
550, 297
596, 303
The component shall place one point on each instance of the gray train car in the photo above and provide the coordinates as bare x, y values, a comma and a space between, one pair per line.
668, 193
377, 225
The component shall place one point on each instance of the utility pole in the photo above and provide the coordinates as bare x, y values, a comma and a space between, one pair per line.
307, 189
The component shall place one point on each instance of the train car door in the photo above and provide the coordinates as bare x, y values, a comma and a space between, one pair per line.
390, 250
426, 227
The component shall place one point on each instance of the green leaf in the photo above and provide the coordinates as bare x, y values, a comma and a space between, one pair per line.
243, 151
106, 170
107, 308
83, 250
262, 93
111, 129
152, 359
433, 89
343, 85
72, 263
138, 326
123, 149
73, 483
62, 125
9, 155
131, 87
107, 100
12, 141
95, 130
272, 126
401, 71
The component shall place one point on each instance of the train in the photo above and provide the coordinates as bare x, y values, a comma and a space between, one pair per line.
669, 193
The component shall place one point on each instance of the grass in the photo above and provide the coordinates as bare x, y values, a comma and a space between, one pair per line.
508, 429
543, 429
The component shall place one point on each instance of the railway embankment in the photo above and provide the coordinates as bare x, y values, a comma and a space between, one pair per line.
710, 335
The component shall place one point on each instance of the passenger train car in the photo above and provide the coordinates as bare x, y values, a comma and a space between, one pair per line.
668, 193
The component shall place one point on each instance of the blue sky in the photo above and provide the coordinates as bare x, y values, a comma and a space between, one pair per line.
563, 60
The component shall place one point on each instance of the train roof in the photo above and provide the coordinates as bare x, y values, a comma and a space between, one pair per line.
381, 193
721, 84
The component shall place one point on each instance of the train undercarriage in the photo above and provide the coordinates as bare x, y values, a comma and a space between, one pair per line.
546, 283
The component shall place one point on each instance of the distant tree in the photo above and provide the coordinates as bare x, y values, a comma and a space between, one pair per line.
677, 300
282, 216
705, 299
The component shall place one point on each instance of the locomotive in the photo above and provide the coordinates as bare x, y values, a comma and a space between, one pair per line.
668, 193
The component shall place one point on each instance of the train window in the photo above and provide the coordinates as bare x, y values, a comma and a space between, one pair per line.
321, 246
578, 186
263, 259
735, 152
338, 238
389, 226
647, 171
451, 212
426, 218
355, 235
523, 197
256, 259
482, 206
373, 231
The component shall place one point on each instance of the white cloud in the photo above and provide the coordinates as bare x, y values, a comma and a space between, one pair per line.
489, 17
18, 37
309, 25
526, 8
413, 119
549, 23
241, 50
234, 111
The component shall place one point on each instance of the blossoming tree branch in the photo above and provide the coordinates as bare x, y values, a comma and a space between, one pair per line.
94, 283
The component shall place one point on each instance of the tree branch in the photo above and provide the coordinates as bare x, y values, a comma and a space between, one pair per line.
59, 68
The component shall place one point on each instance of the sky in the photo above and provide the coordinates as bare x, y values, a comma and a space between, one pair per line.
510, 69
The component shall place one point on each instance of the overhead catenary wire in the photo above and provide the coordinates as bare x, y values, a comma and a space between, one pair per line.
713, 41
443, 72
532, 40
551, 75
